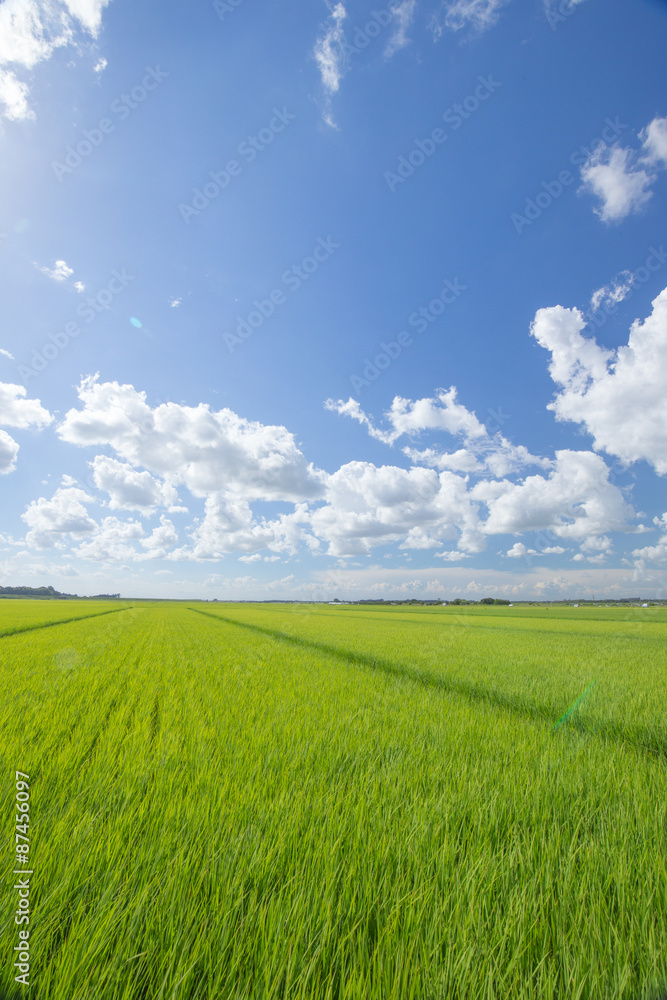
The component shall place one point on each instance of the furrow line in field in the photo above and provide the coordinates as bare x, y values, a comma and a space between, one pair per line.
636, 737
60, 621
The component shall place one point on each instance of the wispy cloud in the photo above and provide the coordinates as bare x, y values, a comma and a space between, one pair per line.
30, 32
402, 15
458, 14
6, 354
329, 52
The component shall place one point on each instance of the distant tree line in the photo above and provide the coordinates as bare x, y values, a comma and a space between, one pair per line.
49, 592
32, 592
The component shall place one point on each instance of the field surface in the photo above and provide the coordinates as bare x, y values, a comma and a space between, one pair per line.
292, 802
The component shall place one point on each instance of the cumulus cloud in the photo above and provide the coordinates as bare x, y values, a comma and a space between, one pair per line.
30, 32
14, 96
9, 449
654, 141
405, 416
621, 187
621, 178
161, 539
619, 396
443, 413
653, 555
113, 540
130, 489
367, 505
17, 411
575, 501
207, 451
64, 514
229, 526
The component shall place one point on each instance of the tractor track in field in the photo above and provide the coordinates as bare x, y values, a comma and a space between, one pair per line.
637, 738
19, 630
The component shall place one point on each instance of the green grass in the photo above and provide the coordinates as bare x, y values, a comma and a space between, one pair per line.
310, 802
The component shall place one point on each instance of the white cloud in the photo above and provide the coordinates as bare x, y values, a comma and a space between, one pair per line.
369, 505
402, 15
462, 460
60, 272
614, 292
619, 396
329, 51
18, 411
553, 550
208, 451
175, 303
79, 285
653, 554
30, 32
14, 97
113, 541
442, 413
9, 449
621, 187
576, 501
654, 141
493, 453
518, 551
161, 540
6, 354
100, 66
130, 489
458, 14
65, 513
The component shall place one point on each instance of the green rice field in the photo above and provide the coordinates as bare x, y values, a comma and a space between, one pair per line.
308, 802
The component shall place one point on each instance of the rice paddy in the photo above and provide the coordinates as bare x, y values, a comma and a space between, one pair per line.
254, 802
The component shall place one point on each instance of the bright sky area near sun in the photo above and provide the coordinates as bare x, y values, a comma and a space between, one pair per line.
346, 300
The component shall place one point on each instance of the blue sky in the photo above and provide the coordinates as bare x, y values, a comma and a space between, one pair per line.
348, 300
